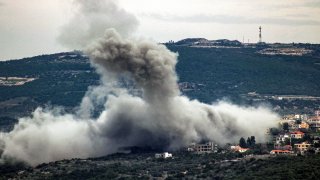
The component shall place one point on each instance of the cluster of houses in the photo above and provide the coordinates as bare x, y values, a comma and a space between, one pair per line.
297, 134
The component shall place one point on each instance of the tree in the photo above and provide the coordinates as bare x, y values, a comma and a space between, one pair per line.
248, 142
287, 141
285, 126
242, 143
274, 131
253, 141
307, 137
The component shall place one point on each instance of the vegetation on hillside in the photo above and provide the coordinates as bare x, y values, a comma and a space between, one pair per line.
183, 165
231, 72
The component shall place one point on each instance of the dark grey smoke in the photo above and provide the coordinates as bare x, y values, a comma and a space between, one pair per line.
150, 65
175, 120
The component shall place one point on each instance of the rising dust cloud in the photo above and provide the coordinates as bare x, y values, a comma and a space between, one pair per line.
91, 21
159, 117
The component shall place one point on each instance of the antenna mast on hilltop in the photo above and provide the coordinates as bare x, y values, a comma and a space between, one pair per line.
260, 34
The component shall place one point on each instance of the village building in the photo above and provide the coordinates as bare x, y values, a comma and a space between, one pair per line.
203, 148
276, 151
286, 120
297, 116
302, 146
314, 123
242, 150
294, 126
239, 149
297, 135
285, 147
304, 125
282, 138
164, 155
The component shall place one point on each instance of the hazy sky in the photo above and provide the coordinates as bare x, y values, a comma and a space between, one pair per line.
31, 27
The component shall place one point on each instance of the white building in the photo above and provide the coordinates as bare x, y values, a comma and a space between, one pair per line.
297, 116
163, 155
282, 138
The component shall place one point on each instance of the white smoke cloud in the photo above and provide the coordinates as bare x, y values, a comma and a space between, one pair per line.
157, 116
92, 19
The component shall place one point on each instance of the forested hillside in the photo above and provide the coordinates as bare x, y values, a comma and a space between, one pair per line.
206, 74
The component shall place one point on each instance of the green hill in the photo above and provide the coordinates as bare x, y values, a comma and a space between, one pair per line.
207, 74
230, 72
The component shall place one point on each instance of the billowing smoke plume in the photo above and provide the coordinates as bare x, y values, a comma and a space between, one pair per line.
150, 65
92, 19
161, 117
157, 116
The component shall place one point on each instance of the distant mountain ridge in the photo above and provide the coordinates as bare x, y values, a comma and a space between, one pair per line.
206, 42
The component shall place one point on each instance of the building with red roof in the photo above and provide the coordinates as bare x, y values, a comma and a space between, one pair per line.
297, 134
277, 151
